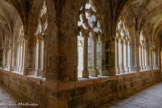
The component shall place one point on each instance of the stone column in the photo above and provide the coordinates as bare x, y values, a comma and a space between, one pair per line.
159, 64
4, 57
122, 57
9, 57
142, 57
117, 56
145, 57
129, 55
21, 54
103, 70
144, 54
148, 58
137, 53
94, 56
6, 62
25, 55
41, 57
30, 61
10, 61
154, 56
152, 59
126, 57
157, 58
14, 54
44, 58
18, 56
6, 51
37, 52
110, 56
85, 73
160, 53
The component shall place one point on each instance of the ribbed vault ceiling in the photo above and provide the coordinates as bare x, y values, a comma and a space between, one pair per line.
148, 14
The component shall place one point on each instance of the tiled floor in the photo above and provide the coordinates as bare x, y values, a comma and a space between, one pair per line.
8, 99
148, 98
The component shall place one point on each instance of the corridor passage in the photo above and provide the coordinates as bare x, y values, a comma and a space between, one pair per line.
8, 99
147, 98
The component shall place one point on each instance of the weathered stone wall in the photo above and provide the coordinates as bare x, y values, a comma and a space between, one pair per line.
85, 93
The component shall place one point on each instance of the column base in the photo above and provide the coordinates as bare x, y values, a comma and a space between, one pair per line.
104, 72
19, 69
5, 67
94, 73
133, 69
29, 71
126, 69
144, 67
121, 69
24, 71
141, 68
111, 72
14, 68
85, 74
43, 74
38, 72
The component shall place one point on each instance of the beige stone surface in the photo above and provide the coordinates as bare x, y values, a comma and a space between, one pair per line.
8, 99
149, 97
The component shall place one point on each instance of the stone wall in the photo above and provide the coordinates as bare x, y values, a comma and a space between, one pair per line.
85, 93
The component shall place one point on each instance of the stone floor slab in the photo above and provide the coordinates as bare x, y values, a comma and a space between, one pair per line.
148, 98
7, 99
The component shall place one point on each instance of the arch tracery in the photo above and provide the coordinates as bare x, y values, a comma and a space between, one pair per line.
123, 50
90, 32
20, 51
42, 24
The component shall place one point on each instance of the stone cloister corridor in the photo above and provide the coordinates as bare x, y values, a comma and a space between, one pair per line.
81, 53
